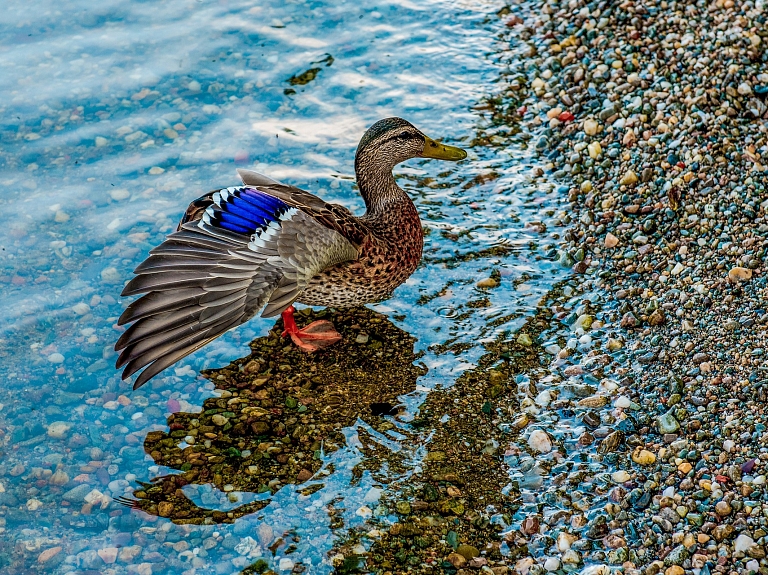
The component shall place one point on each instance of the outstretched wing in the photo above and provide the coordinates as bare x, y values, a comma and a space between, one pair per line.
248, 250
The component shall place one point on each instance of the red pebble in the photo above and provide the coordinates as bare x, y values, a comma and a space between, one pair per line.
721, 479
566, 117
680, 165
522, 110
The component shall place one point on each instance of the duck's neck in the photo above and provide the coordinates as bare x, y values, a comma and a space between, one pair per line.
391, 214
378, 187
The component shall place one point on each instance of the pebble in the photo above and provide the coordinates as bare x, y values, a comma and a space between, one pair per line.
219, 419
524, 339
61, 217
629, 320
59, 477
584, 322
129, 553
565, 540
667, 423
48, 554
467, 551
552, 349
628, 179
120, 194
620, 476
77, 494
743, 543
108, 554
488, 283
610, 240
614, 344
591, 127
657, 318
643, 457
622, 401
739, 274
456, 560
573, 557
59, 429
110, 275
540, 441
56, 358
594, 401
723, 509
81, 308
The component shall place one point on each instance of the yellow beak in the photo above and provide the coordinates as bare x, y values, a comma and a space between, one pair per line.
440, 151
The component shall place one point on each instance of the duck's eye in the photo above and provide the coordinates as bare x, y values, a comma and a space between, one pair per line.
404, 135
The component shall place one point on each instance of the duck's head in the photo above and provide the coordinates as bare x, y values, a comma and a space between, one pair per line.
393, 140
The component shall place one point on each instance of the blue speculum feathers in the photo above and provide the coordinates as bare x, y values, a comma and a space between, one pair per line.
247, 210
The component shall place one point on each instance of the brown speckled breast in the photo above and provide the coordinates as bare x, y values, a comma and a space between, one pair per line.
386, 260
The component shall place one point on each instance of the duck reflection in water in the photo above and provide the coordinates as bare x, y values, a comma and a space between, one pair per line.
278, 412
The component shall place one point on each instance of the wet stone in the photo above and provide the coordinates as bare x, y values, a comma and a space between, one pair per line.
667, 423
591, 419
723, 532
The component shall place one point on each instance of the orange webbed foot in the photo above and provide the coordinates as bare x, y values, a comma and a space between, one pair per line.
317, 335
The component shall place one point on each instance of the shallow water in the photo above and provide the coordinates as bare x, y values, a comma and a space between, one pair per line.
115, 116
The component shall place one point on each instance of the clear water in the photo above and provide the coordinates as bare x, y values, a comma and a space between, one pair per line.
113, 116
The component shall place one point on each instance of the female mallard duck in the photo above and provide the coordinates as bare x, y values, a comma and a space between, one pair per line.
266, 245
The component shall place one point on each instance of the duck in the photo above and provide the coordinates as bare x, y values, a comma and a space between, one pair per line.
264, 245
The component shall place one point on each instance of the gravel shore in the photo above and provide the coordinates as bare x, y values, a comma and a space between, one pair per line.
654, 114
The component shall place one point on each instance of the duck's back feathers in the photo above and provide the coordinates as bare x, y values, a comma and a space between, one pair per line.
237, 251
330, 215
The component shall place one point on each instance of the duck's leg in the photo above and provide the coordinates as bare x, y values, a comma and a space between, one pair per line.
317, 335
